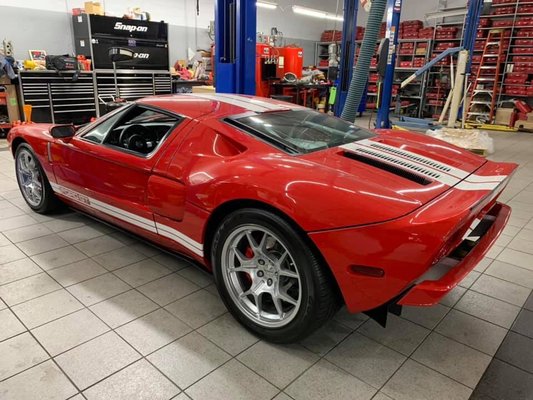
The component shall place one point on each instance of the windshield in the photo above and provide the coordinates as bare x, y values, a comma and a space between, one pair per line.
301, 131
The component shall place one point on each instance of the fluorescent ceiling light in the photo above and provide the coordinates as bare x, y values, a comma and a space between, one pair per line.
446, 13
267, 5
311, 12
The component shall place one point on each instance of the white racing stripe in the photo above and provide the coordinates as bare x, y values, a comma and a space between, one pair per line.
431, 169
248, 104
134, 219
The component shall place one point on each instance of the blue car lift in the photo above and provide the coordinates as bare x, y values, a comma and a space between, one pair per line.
394, 8
235, 39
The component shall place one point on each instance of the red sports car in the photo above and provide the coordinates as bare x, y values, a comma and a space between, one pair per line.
295, 212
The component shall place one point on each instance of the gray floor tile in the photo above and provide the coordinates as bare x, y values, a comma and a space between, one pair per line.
280, 365
27, 233
523, 245
154, 330
352, 321
453, 296
171, 261
9, 212
77, 272
494, 251
46, 308
517, 350
123, 308
16, 270
483, 264
325, 381
99, 245
326, 338
142, 272
119, 258
428, 317
83, 233
145, 248
7, 224
400, 334
197, 276
469, 279
10, 325
58, 258
3, 305
96, 359
502, 290
511, 273
232, 381
381, 396
27, 289
10, 253
452, 359
529, 302
66, 222
97, 289
472, 331
228, 334
139, 381
42, 244
19, 353
188, 359
4, 241
488, 308
46, 379
517, 258
168, 289
504, 381
414, 381
366, 359
198, 308
69, 331
282, 396
524, 323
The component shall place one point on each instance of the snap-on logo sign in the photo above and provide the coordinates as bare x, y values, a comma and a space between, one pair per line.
119, 26
141, 55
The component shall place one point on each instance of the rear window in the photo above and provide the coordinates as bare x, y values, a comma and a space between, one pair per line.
301, 131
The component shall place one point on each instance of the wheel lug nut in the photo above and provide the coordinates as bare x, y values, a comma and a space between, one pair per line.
260, 274
261, 262
269, 282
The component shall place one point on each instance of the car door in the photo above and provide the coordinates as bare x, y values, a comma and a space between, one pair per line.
109, 176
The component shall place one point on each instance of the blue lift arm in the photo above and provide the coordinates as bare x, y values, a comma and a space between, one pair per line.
394, 9
235, 39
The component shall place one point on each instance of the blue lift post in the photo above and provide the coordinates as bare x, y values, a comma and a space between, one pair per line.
348, 45
235, 40
394, 9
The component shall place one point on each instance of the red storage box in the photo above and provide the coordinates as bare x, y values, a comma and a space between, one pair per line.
524, 33
503, 23
406, 64
523, 59
503, 10
484, 22
518, 75
523, 42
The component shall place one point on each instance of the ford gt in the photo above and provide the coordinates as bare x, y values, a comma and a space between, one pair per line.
295, 212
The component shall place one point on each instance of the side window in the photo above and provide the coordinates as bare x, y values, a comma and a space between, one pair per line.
139, 130
98, 134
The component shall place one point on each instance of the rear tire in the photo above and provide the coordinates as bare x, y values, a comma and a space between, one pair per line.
32, 181
269, 277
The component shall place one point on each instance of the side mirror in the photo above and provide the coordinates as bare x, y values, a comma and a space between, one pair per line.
62, 131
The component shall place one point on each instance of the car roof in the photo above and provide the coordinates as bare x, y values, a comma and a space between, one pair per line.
216, 104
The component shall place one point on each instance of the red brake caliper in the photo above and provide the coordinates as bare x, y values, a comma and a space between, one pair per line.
249, 253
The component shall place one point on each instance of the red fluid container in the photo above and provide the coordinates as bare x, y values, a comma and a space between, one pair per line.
293, 60
262, 87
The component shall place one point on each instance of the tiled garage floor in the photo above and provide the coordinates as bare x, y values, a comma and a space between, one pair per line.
87, 312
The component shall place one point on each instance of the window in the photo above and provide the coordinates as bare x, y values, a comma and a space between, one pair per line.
136, 129
301, 131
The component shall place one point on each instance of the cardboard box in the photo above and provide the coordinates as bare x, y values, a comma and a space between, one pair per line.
524, 125
504, 116
530, 116
94, 7
203, 89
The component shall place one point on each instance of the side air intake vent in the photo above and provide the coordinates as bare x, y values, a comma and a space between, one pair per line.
388, 167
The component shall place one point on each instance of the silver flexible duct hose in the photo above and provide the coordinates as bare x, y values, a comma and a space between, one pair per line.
368, 48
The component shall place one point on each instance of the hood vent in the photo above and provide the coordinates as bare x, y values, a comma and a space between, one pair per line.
411, 156
387, 166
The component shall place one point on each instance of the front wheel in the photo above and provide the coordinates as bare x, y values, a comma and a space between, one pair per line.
32, 181
269, 277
